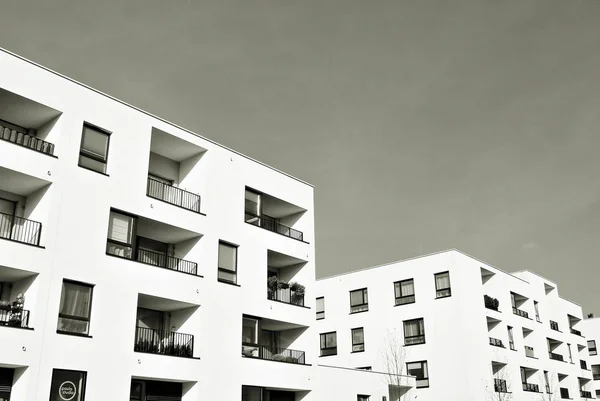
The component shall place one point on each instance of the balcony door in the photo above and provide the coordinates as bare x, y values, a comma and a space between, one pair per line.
7, 210
269, 341
152, 252
6, 381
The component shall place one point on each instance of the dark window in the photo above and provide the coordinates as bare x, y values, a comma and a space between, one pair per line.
6, 382
250, 336
93, 154
442, 285
67, 385
419, 370
329, 343
414, 332
121, 234
511, 338
359, 301
320, 308
227, 262
537, 311
75, 307
404, 292
363, 397
365, 368
596, 372
358, 340
592, 347
554, 325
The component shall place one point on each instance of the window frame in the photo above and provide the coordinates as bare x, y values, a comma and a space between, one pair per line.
597, 375
78, 318
322, 312
220, 269
590, 348
362, 329
398, 289
133, 245
438, 290
90, 155
83, 381
323, 336
365, 301
422, 333
424, 368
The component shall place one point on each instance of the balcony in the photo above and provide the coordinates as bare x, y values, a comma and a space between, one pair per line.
529, 352
163, 342
556, 357
534, 388
496, 342
286, 295
270, 353
271, 340
554, 325
175, 196
576, 332
14, 318
491, 303
283, 271
167, 262
25, 140
273, 214
500, 386
18, 290
520, 312
21, 230
585, 394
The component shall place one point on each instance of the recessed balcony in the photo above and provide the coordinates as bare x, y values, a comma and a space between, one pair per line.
496, 342
282, 282
271, 340
17, 292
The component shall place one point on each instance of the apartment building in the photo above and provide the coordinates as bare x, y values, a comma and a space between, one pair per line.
467, 330
140, 261
591, 328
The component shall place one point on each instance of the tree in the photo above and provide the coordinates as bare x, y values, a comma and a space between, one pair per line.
394, 360
501, 387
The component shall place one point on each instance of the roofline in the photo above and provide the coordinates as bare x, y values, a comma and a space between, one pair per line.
537, 274
150, 114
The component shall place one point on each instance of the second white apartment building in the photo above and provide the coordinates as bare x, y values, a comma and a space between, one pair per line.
467, 330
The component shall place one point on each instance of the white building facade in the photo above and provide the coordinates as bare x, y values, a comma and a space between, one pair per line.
591, 328
468, 331
140, 261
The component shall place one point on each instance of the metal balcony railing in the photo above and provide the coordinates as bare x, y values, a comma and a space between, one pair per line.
529, 351
286, 295
271, 224
583, 364
554, 325
585, 394
26, 141
500, 386
556, 357
520, 312
496, 342
173, 195
14, 319
281, 355
168, 262
19, 229
576, 332
531, 387
163, 342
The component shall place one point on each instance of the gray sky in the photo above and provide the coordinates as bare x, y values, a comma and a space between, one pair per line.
424, 125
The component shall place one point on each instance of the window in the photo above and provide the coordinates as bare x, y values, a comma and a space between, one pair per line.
592, 347
511, 338
250, 330
75, 307
404, 292
67, 385
227, 263
363, 397
121, 228
93, 154
419, 370
554, 325
414, 332
537, 311
359, 301
596, 372
358, 340
442, 285
547, 381
564, 393
320, 308
253, 207
570, 355
329, 343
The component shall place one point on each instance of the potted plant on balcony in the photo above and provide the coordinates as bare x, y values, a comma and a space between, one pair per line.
16, 315
298, 291
272, 286
490, 302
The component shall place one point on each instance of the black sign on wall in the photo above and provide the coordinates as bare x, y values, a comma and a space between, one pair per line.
67, 385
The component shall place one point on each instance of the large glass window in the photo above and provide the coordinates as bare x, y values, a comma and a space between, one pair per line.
253, 207
329, 343
419, 370
442, 285
67, 385
250, 330
414, 332
359, 301
358, 340
94, 149
227, 262
120, 235
592, 347
75, 307
596, 372
511, 338
404, 292
320, 308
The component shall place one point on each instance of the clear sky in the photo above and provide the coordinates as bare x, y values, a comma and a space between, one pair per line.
424, 125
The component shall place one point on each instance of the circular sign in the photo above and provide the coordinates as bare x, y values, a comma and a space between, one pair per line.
67, 391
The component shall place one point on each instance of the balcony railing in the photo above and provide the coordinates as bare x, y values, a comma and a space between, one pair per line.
173, 195
14, 319
556, 357
520, 312
19, 229
531, 387
576, 332
281, 355
529, 351
27, 141
413, 340
163, 342
286, 295
500, 386
271, 224
583, 364
564, 393
585, 394
168, 262
496, 342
